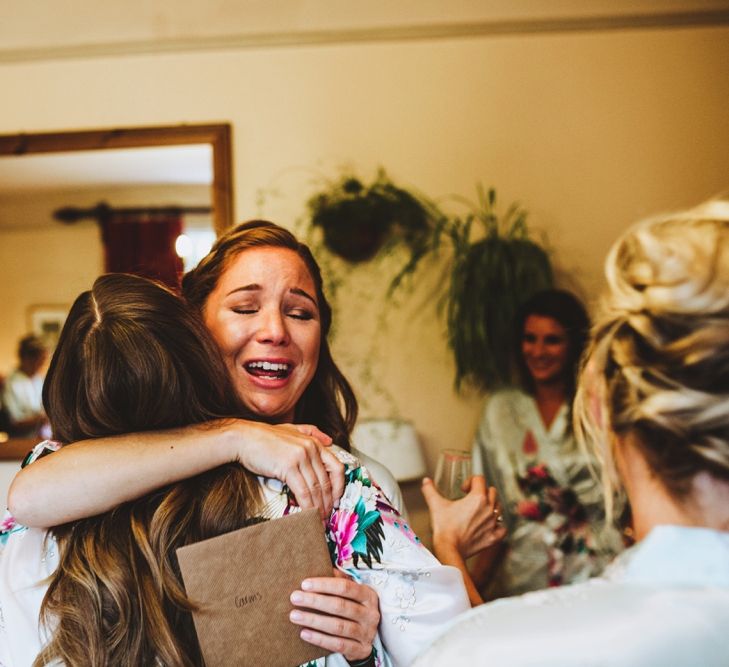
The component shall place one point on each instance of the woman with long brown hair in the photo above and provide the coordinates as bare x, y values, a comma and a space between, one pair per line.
525, 446
130, 356
260, 295
294, 419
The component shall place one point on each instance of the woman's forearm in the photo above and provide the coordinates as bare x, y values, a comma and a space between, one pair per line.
484, 565
449, 555
93, 476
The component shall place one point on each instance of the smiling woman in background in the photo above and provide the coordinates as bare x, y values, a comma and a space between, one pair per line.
525, 448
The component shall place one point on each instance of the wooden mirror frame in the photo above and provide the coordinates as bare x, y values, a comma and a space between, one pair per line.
217, 135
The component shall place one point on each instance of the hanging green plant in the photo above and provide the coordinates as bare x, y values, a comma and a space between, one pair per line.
489, 279
357, 220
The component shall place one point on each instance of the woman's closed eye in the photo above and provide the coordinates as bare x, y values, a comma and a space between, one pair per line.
295, 313
301, 314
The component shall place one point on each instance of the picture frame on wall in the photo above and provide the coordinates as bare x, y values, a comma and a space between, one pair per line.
46, 321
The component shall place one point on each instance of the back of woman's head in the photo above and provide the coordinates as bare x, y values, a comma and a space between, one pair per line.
658, 367
567, 310
132, 357
328, 402
31, 347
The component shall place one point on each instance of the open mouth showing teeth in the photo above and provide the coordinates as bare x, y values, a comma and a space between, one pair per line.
268, 369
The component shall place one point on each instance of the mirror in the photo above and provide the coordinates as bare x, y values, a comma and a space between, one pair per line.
45, 262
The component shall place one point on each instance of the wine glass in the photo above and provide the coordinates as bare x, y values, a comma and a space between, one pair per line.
453, 469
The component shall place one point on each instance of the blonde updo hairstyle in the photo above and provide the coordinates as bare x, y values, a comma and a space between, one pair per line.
658, 364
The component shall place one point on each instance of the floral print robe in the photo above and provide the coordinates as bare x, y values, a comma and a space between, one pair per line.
553, 507
367, 539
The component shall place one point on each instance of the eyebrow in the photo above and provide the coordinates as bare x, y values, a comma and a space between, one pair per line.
255, 287
246, 288
306, 295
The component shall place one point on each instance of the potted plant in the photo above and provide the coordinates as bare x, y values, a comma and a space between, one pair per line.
489, 279
357, 220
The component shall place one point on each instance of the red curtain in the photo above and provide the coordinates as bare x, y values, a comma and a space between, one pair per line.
143, 245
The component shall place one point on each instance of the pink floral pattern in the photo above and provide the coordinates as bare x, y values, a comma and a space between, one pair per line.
8, 523
343, 531
529, 446
544, 501
355, 528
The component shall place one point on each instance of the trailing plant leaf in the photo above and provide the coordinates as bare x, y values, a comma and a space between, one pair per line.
489, 279
490, 275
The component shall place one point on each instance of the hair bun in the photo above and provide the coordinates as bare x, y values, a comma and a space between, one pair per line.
676, 265
661, 346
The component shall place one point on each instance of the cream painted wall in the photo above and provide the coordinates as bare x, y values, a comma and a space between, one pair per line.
46, 266
589, 131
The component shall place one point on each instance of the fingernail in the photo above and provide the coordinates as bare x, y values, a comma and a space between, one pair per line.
306, 585
296, 615
297, 597
305, 635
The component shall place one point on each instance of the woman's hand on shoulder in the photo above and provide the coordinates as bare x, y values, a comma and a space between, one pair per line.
337, 614
296, 454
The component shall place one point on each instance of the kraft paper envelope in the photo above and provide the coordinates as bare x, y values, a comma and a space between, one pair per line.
242, 581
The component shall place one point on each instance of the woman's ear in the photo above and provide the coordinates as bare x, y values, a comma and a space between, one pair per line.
632, 467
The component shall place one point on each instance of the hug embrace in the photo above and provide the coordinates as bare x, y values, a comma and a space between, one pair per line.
193, 417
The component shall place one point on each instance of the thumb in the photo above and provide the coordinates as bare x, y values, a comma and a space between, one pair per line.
430, 493
478, 484
313, 432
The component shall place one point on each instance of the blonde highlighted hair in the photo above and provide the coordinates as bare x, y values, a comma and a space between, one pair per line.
657, 367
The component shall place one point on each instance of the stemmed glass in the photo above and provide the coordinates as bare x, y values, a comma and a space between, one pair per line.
451, 472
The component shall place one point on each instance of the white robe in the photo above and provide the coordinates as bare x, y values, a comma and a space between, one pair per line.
662, 603
417, 595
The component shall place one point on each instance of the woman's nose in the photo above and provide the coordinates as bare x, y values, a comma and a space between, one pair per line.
538, 348
273, 328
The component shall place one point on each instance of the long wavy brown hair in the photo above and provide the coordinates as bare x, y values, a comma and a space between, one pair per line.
329, 401
133, 357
